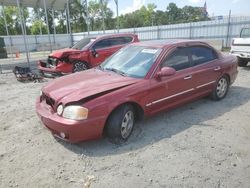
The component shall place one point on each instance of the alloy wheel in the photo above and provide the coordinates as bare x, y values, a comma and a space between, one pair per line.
127, 124
79, 66
221, 88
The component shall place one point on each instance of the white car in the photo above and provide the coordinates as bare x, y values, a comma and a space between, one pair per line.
241, 47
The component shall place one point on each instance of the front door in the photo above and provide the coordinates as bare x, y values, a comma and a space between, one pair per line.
167, 92
100, 51
104, 48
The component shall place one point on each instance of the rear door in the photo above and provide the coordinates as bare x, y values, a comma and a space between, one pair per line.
206, 68
171, 91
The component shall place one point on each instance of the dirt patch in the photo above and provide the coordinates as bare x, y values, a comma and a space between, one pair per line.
202, 144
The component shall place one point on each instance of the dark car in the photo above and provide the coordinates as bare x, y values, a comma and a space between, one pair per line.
139, 80
87, 53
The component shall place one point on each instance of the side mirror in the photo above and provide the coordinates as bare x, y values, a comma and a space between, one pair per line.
166, 71
94, 52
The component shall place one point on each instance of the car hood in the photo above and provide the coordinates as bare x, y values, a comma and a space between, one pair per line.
79, 86
64, 52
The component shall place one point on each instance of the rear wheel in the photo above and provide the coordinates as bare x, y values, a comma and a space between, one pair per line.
242, 62
221, 88
79, 66
120, 124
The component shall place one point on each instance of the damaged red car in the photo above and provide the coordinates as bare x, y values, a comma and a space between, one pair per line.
139, 80
87, 53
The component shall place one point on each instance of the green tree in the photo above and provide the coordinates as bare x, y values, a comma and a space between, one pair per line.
174, 13
13, 20
145, 16
192, 14
38, 26
95, 15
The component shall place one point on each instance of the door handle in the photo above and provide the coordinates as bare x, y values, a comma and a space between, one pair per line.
217, 68
188, 77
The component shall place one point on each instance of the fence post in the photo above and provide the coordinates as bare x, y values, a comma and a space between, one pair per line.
36, 41
134, 31
158, 32
190, 30
228, 28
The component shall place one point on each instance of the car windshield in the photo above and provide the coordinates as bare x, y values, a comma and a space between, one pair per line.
133, 61
83, 43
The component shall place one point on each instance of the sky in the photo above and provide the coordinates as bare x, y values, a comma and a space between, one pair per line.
214, 7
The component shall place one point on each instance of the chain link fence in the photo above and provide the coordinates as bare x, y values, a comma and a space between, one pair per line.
222, 29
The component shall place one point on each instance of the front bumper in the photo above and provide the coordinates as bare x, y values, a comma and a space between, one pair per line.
244, 55
74, 131
46, 71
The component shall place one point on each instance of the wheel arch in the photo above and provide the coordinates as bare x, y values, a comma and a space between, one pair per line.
139, 111
228, 77
80, 61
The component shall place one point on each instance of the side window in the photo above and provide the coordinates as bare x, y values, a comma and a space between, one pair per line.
127, 39
120, 40
116, 41
245, 33
105, 43
202, 55
177, 60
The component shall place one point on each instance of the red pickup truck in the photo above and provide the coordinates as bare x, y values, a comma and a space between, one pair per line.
87, 53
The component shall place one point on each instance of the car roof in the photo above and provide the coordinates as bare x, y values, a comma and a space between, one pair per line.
115, 35
168, 42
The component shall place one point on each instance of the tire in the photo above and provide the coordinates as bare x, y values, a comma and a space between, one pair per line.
79, 66
221, 88
120, 124
242, 62
41, 73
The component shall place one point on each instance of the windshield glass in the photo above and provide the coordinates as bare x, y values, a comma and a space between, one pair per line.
83, 43
133, 61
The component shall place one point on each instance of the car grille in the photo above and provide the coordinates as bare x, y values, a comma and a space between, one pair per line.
49, 101
52, 61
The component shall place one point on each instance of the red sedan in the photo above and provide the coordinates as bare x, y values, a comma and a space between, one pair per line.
139, 80
87, 53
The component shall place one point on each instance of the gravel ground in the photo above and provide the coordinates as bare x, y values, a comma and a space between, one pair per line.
202, 144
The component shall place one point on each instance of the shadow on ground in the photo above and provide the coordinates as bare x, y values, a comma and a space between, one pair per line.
247, 67
166, 124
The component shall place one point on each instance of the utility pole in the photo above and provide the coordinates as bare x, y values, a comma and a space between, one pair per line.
228, 28
103, 21
47, 22
117, 16
85, 5
69, 24
23, 31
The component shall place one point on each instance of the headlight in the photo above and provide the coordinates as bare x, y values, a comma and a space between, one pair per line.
75, 112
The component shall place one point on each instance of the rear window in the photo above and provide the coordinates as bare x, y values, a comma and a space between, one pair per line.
83, 43
202, 55
105, 43
120, 40
245, 33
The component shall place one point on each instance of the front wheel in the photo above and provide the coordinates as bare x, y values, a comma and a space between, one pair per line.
79, 66
221, 88
121, 123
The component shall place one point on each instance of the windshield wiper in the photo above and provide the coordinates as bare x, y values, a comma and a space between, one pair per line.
116, 71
